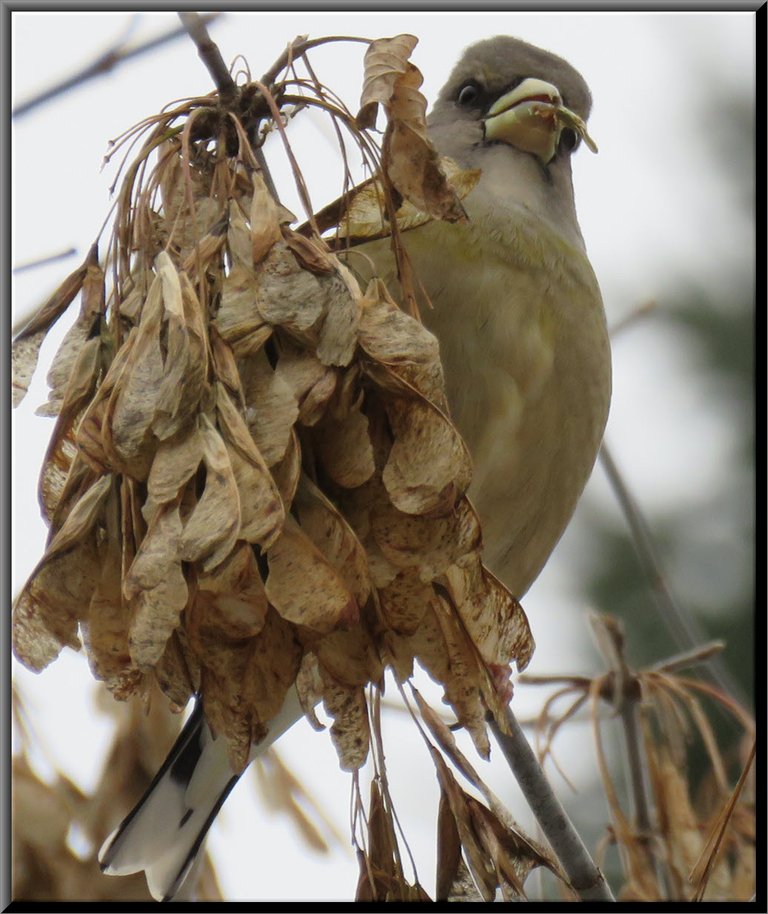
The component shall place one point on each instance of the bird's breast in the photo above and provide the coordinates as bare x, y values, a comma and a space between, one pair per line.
525, 351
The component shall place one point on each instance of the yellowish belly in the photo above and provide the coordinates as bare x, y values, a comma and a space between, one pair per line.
527, 366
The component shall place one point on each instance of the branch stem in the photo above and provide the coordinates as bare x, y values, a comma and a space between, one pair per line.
210, 55
584, 875
638, 788
104, 63
681, 624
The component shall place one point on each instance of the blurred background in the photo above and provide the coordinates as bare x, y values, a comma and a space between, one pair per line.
667, 211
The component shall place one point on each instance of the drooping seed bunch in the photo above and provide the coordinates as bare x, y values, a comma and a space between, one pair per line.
253, 481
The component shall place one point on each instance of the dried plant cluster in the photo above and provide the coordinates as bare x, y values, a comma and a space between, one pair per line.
253, 481
681, 841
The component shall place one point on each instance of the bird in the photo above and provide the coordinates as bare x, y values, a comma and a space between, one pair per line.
517, 310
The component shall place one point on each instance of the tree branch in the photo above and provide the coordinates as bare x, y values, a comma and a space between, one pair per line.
609, 638
105, 63
685, 630
210, 55
565, 841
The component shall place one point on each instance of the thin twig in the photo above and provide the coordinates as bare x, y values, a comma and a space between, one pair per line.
43, 261
687, 659
210, 55
585, 878
681, 624
608, 636
298, 47
704, 866
105, 63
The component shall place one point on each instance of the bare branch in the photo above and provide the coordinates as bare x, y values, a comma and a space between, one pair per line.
43, 261
565, 841
687, 659
297, 48
609, 639
210, 55
105, 63
682, 625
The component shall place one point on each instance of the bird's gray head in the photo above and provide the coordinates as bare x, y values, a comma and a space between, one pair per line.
490, 85
517, 113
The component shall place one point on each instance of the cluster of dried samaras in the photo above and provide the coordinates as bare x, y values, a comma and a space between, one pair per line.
253, 481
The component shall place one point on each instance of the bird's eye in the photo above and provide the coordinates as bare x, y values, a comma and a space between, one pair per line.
468, 95
569, 140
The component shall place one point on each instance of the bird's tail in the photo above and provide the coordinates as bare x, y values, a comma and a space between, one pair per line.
165, 831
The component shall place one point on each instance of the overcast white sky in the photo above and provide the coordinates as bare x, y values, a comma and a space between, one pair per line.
655, 206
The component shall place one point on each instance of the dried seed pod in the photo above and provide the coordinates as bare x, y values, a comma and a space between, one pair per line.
254, 481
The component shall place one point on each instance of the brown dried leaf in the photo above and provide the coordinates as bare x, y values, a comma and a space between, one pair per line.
286, 473
239, 240
329, 531
429, 544
271, 407
350, 730
364, 215
456, 800
386, 60
93, 433
344, 448
203, 257
245, 681
448, 850
338, 334
405, 601
442, 647
174, 464
410, 159
63, 476
56, 595
429, 466
186, 361
135, 391
62, 450
273, 668
309, 688
289, 296
311, 382
155, 587
311, 253
265, 222
447, 743
303, 587
239, 320
105, 631
382, 848
402, 343
189, 212
224, 362
494, 619
81, 519
52, 309
261, 508
234, 595
25, 351
172, 672
66, 360
212, 529
350, 657
512, 855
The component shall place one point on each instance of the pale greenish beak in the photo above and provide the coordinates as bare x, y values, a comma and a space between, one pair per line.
531, 118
